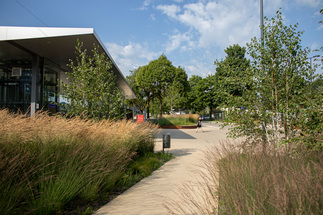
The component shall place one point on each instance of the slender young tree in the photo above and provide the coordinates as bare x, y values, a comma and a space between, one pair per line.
92, 91
278, 81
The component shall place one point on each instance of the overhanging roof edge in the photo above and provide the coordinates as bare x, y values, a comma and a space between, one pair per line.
110, 57
19, 33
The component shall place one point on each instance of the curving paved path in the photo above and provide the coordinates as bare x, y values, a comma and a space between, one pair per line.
149, 195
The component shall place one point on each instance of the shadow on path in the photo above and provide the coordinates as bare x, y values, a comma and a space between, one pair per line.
174, 133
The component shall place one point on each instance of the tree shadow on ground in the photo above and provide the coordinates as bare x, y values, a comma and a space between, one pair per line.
174, 133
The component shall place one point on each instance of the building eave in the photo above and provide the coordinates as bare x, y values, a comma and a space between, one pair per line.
58, 45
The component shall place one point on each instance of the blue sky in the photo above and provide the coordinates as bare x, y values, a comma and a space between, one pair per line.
191, 33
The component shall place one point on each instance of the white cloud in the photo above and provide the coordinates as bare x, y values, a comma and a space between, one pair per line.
130, 56
182, 40
315, 45
145, 4
197, 67
310, 3
169, 10
152, 16
218, 24
271, 6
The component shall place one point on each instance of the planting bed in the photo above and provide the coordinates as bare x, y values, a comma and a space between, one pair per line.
178, 126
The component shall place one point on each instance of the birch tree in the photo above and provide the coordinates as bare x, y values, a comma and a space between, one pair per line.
279, 87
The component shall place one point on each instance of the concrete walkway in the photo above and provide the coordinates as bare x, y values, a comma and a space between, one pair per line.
149, 195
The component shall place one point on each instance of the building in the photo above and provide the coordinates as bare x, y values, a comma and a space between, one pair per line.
33, 59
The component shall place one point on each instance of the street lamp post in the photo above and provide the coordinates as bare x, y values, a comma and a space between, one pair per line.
262, 22
264, 137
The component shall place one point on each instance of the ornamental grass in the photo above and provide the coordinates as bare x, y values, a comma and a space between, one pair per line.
47, 161
239, 181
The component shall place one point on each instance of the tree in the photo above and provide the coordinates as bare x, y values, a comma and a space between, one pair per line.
178, 88
92, 91
161, 73
139, 102
279, 93
201, 95
231, 74
194, 104
144, 80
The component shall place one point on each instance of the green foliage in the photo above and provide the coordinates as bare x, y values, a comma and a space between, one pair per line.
139, 102
161, 71
177, 90
194, 97
231, 77
142, 167
144, 80
92, 91
162, 81
276, 97
201, 94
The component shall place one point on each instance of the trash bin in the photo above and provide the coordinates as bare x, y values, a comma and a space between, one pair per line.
166, 141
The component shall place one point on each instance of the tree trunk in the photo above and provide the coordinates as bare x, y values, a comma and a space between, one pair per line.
171, 106
160, 107
287, 120
133, 110
148, 100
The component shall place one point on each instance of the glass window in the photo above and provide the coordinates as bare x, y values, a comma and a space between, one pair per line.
15, 84
51, 72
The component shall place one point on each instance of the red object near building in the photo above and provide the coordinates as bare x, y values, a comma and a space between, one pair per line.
140, 118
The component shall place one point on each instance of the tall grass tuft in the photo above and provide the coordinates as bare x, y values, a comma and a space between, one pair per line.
237, 181
46, 161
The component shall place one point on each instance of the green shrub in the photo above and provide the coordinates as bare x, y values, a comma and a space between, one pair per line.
142, 167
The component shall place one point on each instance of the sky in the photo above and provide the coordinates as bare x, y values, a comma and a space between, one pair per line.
191, 33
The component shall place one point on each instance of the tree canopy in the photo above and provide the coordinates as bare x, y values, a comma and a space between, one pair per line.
162, 81
231, 77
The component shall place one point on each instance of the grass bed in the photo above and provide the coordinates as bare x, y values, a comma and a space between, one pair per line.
237, 180
48, 162
273, 183
133, 173
184, 119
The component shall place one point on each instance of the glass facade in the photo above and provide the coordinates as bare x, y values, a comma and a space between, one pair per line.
50, 89
16, 83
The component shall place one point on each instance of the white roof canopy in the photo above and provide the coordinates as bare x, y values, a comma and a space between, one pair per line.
55, 44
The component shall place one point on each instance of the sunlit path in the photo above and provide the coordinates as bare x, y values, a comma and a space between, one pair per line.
149, 195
